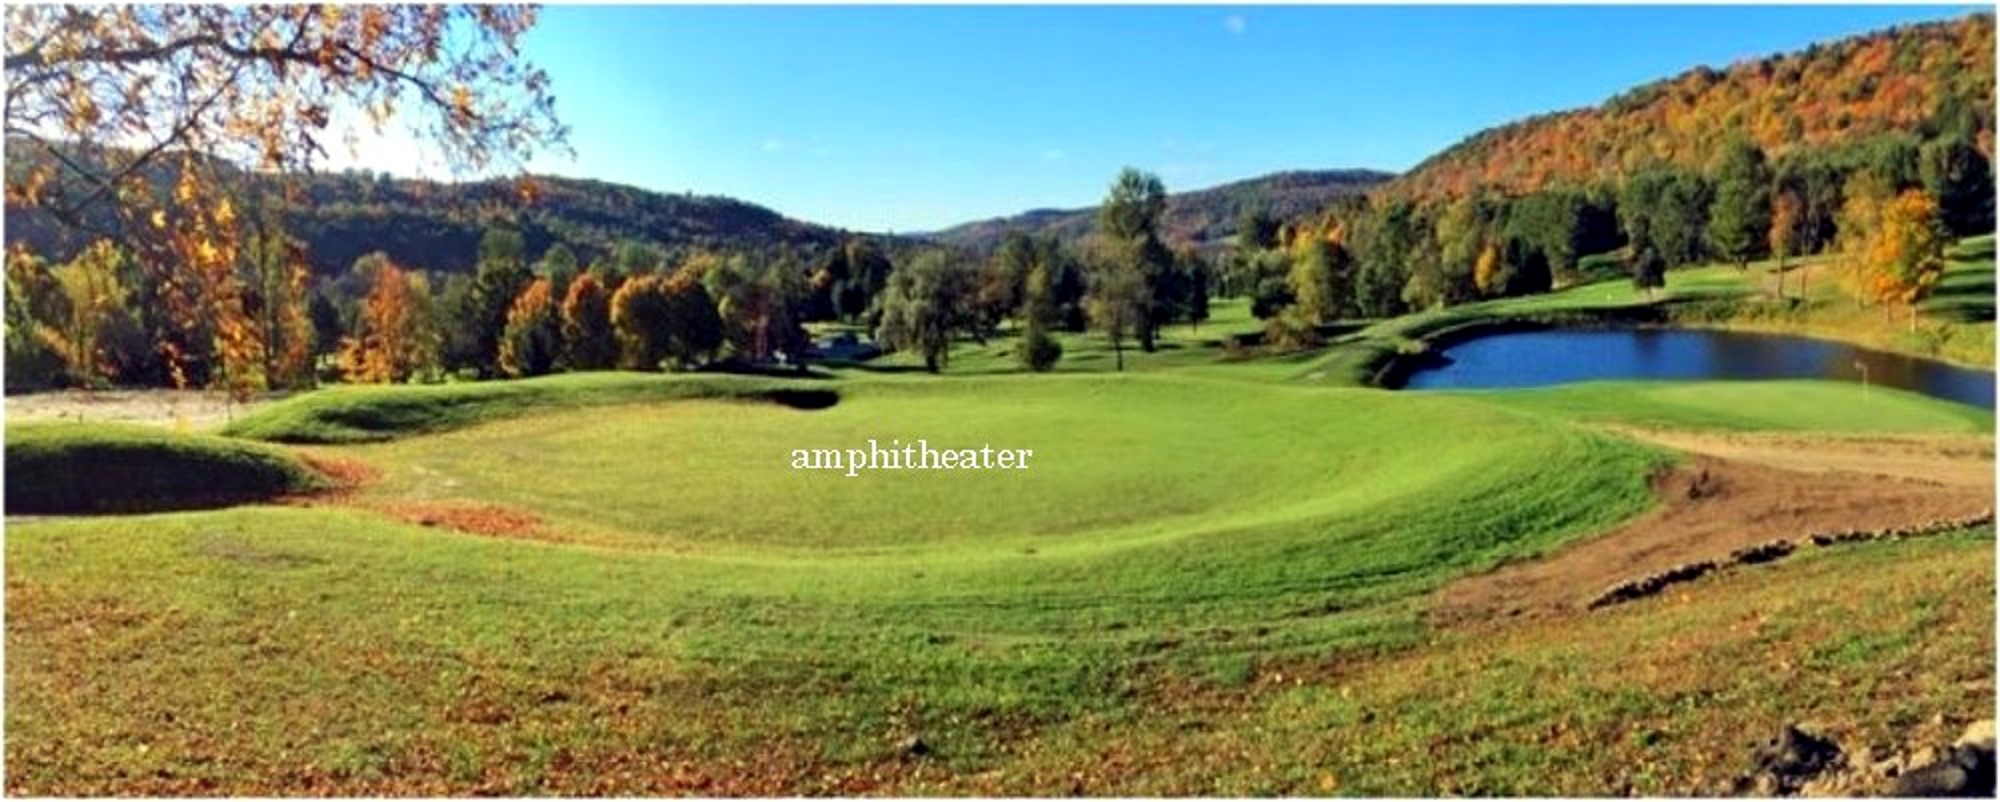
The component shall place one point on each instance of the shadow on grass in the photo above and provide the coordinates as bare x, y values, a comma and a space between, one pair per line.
732, 368
1964, 296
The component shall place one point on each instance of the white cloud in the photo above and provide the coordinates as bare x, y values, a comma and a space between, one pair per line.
776, 146
1053, 155
1235, 23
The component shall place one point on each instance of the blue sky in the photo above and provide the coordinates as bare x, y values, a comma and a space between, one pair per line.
913, 118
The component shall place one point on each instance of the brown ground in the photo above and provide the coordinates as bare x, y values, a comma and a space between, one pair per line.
1959, 460
1738, 491
492, 520
347, 475
197, 409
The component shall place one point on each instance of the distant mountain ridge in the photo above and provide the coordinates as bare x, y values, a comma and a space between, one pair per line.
436, 225
439, 224
1202, 217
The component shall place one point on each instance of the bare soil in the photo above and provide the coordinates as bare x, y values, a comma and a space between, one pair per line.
195, 409
1739, 491
492, 520
1960, 460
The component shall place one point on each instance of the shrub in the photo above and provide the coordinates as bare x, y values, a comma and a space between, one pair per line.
1290, 330
1039, 351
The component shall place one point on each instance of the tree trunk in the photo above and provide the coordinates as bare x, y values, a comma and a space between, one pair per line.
1118, 350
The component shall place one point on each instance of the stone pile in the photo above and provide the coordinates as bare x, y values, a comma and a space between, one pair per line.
1774, 550
1796, 762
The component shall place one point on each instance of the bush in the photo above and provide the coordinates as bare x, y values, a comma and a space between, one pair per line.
1291, 331
1600, 267
1039, 351
77, 468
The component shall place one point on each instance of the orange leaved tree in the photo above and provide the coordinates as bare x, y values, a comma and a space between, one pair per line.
142, 119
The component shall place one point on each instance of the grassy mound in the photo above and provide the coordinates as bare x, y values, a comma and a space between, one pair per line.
70, 468
1117, 460
357, 414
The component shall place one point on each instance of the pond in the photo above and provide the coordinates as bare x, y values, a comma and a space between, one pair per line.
1557, 356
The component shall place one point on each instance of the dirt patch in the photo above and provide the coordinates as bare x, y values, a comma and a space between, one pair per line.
347, 475
1713, 506
475, 518
1962, 460
195, 409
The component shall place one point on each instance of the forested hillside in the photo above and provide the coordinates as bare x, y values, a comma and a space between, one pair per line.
1203, 217
1877, 148
1911, 79
437, 225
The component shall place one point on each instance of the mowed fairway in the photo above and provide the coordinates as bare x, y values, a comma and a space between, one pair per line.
668, 607
1114, 461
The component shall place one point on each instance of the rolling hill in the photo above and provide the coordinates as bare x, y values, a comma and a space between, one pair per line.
1201, 217
436, 225
1911, 80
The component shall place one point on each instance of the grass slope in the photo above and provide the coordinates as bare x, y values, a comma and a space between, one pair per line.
1805, 406
1204, 586
73, 468
737, 609
364, 413
1870, 644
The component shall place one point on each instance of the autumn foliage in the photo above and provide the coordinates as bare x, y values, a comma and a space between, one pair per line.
394, 339
588, 342
1891, 81
1896, 254
532, 339
142, 114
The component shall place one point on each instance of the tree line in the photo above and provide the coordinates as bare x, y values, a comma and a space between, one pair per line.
87, 322
1885, 206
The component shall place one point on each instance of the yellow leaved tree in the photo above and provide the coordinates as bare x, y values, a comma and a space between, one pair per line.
144, 122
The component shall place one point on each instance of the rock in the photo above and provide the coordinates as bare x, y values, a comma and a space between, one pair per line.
1965, 770
1761, 553
913, 746
1792, 759
1937, 779
1979, 734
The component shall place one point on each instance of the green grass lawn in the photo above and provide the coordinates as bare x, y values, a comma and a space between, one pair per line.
1955, 323
1803, 406
692, 616
1179, 346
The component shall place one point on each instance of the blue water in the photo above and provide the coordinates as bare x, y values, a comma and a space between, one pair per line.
1558, 356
